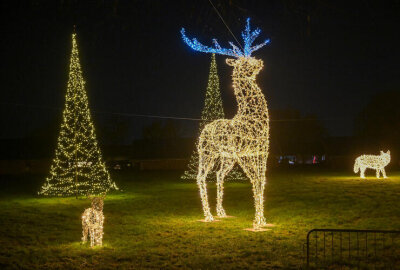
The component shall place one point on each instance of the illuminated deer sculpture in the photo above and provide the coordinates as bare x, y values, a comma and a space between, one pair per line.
92, 222
243, 139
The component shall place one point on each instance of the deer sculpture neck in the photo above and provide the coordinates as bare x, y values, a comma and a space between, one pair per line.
250, 99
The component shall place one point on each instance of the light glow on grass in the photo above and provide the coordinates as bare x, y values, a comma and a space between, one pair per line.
153, 224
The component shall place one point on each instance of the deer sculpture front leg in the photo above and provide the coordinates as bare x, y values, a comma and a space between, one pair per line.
255, 169
362, 171
258, 190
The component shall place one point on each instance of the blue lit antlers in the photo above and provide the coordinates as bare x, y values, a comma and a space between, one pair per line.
248, 38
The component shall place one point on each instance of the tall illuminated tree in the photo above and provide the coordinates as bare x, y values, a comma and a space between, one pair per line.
213, 109
78, 167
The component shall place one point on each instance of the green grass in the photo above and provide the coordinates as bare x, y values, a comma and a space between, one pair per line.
153, 222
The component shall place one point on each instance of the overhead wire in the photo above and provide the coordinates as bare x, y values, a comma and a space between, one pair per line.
222, 19
165, 116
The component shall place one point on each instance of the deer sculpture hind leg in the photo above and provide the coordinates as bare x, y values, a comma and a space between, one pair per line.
226, 167
206, 163
378, 172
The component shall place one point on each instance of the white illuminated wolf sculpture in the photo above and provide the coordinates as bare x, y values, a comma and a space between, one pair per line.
377, 163
243, 139
92, 222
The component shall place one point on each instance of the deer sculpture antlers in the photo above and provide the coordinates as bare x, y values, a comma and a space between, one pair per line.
248, 39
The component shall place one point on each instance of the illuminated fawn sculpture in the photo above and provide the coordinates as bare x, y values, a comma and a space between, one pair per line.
243, 139
92, 222
377, 163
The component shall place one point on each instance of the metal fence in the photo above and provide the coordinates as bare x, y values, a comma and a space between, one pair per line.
354, 249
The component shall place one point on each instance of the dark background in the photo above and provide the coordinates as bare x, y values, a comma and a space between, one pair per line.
327, 60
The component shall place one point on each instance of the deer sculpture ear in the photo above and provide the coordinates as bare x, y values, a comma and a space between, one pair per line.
260, 63
230, 61
388, 152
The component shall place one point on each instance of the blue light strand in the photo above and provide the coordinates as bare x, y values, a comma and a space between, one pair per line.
197, 46
248, 38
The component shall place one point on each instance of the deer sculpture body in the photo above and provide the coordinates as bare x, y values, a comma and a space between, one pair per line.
243, 139
92, 222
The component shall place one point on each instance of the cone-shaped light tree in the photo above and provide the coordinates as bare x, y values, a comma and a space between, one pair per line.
78, 168
213, 109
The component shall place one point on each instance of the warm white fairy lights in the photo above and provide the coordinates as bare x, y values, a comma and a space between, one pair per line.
243, 139
93, 221
78, 168
213, 110
377, 163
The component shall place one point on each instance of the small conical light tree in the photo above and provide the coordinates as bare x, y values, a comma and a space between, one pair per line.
213, 109
78, 168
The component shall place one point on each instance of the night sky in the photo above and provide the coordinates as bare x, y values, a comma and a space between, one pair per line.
325, 58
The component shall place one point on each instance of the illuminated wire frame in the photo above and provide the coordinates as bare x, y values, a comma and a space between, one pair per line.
243, 139
92, 222
377, 163
78, 167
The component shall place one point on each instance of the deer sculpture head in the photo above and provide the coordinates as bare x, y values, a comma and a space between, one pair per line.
97, 202
245, 67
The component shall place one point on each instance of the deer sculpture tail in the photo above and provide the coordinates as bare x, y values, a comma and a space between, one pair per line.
356, 166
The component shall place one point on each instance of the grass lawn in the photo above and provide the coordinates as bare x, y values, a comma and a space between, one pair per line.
153, 223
